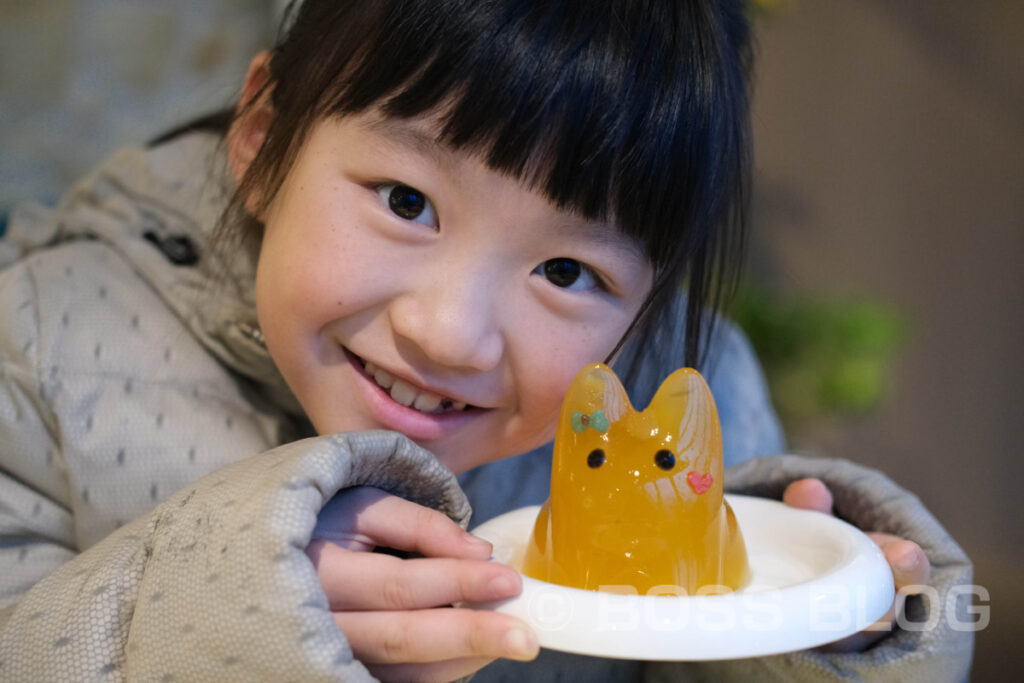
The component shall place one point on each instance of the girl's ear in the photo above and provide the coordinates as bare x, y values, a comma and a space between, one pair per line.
253, 117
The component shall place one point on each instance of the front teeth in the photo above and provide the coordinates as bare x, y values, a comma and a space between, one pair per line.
403, 393
383, 377
407, 395
426, 403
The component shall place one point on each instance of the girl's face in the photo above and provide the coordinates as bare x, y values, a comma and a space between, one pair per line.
403, 285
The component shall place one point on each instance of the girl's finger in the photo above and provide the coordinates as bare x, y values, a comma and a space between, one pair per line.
368, 581
910, 569
910, 566
808, 494
439, 672
435, 635
373, 517
861, 640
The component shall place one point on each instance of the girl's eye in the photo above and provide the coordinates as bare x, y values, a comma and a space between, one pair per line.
568, 274
408, 203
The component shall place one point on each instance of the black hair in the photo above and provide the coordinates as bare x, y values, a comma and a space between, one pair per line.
214, 122
634, 111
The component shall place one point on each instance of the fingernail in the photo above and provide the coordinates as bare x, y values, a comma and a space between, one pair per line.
504, 585
521, 643
909, 562
477, 542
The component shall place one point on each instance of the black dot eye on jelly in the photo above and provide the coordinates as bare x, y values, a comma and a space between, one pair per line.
595, 459
664, 459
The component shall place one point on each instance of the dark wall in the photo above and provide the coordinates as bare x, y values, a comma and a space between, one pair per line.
890, 156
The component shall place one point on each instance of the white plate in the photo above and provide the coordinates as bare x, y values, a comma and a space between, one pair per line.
815, 579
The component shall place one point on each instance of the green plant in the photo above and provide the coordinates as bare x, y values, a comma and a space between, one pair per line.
823, 356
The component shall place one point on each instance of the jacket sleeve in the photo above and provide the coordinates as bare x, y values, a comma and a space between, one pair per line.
215, 583
937, 643
36, 528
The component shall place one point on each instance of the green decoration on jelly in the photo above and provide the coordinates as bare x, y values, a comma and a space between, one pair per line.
596, 420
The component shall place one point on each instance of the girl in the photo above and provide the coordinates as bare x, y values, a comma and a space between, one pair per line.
431, 215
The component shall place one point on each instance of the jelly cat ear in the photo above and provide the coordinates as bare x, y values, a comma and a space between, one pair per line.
596, 388
699, 435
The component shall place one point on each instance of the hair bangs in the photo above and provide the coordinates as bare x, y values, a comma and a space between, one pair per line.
593, 111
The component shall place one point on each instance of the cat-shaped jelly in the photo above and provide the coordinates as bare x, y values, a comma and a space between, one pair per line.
636, 497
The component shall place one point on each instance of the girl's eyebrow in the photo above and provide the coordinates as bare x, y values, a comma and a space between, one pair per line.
606, 235
403, 133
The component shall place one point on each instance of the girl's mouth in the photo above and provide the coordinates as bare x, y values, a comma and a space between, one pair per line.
405, 394
422, 415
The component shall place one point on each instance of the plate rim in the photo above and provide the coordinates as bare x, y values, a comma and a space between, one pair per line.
863, 570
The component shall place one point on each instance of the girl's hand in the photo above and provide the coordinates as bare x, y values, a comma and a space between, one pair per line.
396, 613
910, 566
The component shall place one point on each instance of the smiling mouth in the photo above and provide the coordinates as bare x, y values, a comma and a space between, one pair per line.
412, 397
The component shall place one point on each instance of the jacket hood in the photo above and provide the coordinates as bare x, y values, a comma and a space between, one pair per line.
158, 208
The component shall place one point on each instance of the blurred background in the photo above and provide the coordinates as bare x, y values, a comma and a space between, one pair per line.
888, 228
884, 293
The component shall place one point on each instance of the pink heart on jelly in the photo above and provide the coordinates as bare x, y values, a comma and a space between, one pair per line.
699, 482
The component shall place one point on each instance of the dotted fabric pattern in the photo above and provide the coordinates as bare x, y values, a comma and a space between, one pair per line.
214, 583
123, 377
108, 406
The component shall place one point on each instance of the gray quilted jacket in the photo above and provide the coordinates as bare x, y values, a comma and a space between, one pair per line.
158, 483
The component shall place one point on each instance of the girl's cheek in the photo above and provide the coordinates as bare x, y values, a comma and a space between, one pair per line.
553, 377
565, 357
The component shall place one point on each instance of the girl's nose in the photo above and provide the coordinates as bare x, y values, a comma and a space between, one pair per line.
452, 321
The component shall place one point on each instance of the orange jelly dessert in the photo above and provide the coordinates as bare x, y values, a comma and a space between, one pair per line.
636, 497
